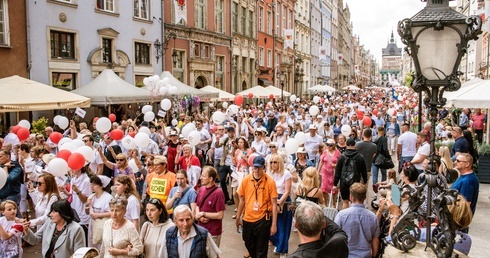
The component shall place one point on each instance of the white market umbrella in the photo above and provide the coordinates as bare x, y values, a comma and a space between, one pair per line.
222, 95
321, 89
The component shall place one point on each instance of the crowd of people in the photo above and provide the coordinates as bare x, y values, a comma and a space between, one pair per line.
244, 162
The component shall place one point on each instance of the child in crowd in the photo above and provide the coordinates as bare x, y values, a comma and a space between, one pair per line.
10, 231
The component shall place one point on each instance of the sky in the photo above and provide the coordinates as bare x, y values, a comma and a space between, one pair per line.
373, 21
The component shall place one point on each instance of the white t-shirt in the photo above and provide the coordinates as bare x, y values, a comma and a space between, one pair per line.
280, 180
424, 149
96, 160
133, 209
311, 144
83, 184
408, 141
101, 204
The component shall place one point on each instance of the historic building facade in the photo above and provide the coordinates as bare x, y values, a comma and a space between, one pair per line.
13, 39
391, 67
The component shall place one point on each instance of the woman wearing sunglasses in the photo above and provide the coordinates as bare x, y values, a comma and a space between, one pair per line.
121, 167
43, 197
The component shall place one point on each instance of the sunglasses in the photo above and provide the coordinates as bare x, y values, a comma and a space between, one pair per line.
272, 147
40, 183
120, 159
274, 162
158, 164
330, 144
458, 160
257, 134
85, 140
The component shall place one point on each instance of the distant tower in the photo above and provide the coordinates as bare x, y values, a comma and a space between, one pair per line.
391, 64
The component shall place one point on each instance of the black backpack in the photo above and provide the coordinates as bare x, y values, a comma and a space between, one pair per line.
349, 173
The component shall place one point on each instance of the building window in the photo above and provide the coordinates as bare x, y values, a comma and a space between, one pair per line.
269, 22
178, 67
197, 50
200, 14
64, 81
219, 80
220, 7
284, 20
62, 44
141, 53
244, 64
4, 27
277, 22
269, 58
261, 18
252, 66
261, 56
244, 21
235, 17
106, 50
138, 80
250, 23
206, 52
141, 9
106, 5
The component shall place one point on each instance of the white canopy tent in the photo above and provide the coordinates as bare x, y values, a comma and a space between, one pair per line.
277, 92
182, 88
321, 89
222, 95
108, 88
257, 91
351, 87
473, 96
21, 94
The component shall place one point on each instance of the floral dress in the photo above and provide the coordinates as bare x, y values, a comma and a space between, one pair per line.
328, 171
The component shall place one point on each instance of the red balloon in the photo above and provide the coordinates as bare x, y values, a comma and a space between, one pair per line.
394, 113
16, 128
76, 161
367, 121
375, 112
380, 104
23, 133
271, 96
64, 154
132, 134
55, 137
112, 117
250, 95
117, 134
238, 100
322, 100
251, 159
360, 114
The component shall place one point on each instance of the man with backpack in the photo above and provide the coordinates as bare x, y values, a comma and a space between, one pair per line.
350, 169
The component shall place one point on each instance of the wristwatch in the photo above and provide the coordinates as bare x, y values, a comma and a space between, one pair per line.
204, 214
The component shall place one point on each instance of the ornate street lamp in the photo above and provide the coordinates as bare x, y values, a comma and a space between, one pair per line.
161, 47
282, 78
436, 38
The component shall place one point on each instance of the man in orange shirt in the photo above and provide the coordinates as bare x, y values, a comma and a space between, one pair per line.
161, 180
258, 203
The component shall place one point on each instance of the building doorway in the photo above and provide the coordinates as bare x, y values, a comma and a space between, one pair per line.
200, 82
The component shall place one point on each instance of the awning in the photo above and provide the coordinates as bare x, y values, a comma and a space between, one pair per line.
265, 82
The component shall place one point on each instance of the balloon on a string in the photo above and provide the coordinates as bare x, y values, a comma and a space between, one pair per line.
128, 143
55, 119
160, 84
194, 138
146, 81
316, 99
233, 109
166, 104
174, 122
141, 140
186, 130
23, 133
86, 151
76, 161
103, 125
55, 137
367, 121
145, 130
218, 117
63, 141
172, 90
238, 100
3, 177
271, 97
63, 122
224, 104
163, 90
250, 95
298, 99
291, 146
64, 154
132, 165
251, 158
360, 114
24, 123
300, 137
292, 98
314, 110
112, 117
58, 167
346, 130
165, 81
149, 116
68, 146
375, 112
132, 134
146, 108
16, 128
78, 143
117, 134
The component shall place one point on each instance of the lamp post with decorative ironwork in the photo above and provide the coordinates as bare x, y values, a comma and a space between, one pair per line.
436, 38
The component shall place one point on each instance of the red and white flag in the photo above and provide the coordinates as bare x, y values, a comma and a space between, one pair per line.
288, 38
180, 10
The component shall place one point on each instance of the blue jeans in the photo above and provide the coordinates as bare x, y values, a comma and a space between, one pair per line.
403, 160
374, 169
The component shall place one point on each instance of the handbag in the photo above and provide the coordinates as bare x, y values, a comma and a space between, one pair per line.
97, 229
383, 162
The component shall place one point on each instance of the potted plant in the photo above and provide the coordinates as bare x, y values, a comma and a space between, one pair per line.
484, 163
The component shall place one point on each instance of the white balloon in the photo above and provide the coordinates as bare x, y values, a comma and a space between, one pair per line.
55, 119
300, 137
68, 146
145, 130
292, 98
316, 99
233, 109
166, 104
174, 122
63, 141
224, 104
314, 110
133, 166
187, 130
156, 78
346, 130
78, 143
141, 139
63, 122
103, 125
149, 116
173, 90
298, 99
218, 117
292, 146
390, 111
192, 125
163, 90
86, 151
24, 123
146, 108
58, 167
3, 177
194, 138
128, 143
146, 81
166, 81
160, 84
